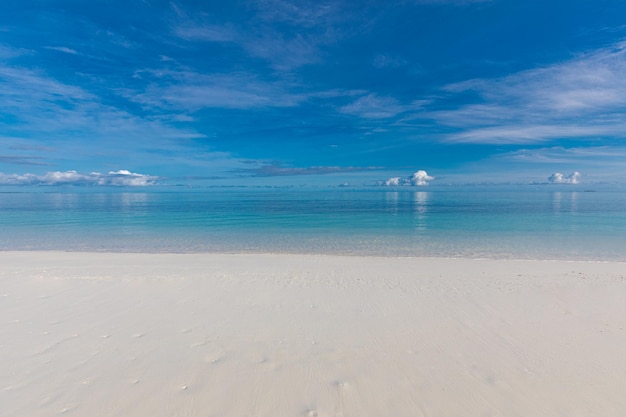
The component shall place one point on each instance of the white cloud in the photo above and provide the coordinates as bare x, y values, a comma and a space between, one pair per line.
419, 178
389, 61
7, 52
393, 181
582, 97
527, 134
597, 156
301, 13
115, 178
206, 33
284, 50
60, 123
373, 106
191, 91
63, 49
311, 26
60, 116
20, 82
450, 2
124, 177
558, 178
589, 82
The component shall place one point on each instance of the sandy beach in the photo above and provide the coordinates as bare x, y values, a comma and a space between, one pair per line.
100, 334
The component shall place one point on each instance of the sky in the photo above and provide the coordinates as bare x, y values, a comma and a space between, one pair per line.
322, 93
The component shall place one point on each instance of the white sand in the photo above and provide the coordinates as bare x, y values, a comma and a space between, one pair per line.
281, 335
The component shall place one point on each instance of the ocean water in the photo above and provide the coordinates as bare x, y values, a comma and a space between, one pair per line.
489, 222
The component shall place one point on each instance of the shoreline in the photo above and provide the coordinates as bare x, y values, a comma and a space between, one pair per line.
310, 254
136, 334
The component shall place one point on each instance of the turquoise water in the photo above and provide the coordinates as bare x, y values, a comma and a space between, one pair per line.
522, 223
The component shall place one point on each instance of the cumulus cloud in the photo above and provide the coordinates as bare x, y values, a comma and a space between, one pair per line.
419, 178
558, 178
124, 177
393, 181
115, 178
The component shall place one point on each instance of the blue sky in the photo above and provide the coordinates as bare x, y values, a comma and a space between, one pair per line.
282, 92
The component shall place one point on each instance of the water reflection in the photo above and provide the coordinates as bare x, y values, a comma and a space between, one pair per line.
61, 201
131, 200
391, 198
420, 210
574, 199
556, 202
563, 202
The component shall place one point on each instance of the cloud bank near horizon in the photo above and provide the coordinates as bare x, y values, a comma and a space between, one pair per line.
558, 178
121, 178
419, 178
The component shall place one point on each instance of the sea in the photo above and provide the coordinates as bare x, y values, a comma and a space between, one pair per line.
500, 222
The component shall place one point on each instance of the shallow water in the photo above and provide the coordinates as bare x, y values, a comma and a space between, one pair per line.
523, 223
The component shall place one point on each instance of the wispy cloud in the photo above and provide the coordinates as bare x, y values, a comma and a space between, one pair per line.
7, 52
305, 27
22, 160
191, 91
373, 106
276, 170
285, 52
528, 134
300, 13
16, 82
193, 31
533, 165
582, 97
43, 105
450, 2
63, 123
389, 61
63, 49
588, 156
122, 178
